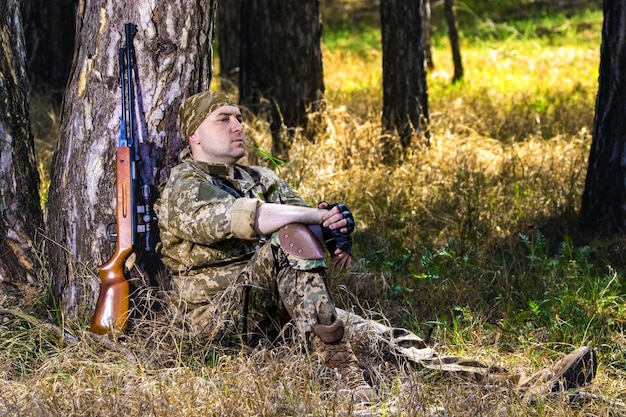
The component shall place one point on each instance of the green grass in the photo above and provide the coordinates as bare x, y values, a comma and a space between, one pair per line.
547, 27
342, 38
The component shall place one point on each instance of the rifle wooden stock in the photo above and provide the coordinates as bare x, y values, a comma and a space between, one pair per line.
112, 308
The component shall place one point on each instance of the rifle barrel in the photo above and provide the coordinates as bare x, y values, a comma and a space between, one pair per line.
130, 30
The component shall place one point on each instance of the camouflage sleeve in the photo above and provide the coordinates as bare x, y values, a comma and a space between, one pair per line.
203, 213
277, 190
289, 196
243, 214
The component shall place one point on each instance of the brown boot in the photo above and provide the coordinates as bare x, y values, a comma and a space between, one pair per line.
338, 355
575, 370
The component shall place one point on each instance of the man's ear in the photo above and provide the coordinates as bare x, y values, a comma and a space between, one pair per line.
194, 139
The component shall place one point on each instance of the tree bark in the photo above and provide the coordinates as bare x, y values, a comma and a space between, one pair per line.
428, 29
50, 42
20, 212
229, 39
453, 35
173, 55
405, 96
281, 64
604, 198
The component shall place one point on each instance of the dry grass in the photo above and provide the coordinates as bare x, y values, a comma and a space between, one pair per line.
438, 250
153, 373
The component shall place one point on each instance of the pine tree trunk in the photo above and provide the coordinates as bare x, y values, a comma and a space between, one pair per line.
428, 29
281, 64
173, 55
50, 42
453, 35
20, 212
604, 198
405, 97
229, 39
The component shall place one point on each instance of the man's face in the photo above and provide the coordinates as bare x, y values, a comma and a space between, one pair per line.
220, 137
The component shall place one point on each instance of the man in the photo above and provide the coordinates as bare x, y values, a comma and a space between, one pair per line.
246, 256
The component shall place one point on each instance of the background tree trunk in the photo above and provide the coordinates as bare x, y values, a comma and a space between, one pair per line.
229, 41
428, 30
20, 212
453, 35
405, 97
50, 42
173, 49
281, 64
604, 198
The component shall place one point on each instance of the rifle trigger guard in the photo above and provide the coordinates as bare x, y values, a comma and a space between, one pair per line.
111, 232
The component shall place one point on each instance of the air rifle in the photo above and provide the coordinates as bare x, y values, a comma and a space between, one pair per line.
133, 220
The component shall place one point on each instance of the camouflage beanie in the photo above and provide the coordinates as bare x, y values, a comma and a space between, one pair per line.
196, 108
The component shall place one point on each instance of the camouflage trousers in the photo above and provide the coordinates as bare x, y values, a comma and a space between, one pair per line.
272, 289
275, 289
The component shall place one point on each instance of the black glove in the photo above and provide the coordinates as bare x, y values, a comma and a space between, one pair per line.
346, 213
333, 238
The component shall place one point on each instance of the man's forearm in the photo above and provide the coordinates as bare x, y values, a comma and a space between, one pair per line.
271, 217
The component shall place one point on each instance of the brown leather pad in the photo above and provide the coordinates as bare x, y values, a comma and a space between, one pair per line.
300, 241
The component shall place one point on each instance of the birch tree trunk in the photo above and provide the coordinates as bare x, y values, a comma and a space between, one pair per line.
20, 212
173, 55
604, 198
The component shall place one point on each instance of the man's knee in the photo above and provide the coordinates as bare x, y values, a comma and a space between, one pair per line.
301, 241
301, 246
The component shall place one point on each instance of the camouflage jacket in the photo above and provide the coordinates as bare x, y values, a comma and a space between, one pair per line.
206, 223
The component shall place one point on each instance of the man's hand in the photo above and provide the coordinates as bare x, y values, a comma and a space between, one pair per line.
337, 225
337, 217
341, 259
